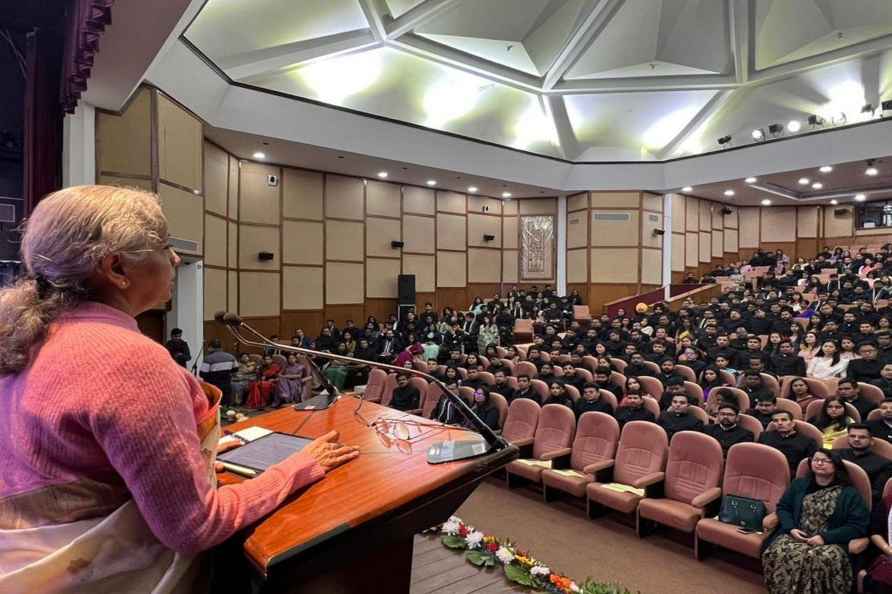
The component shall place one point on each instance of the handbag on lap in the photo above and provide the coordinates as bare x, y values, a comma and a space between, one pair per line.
743, 512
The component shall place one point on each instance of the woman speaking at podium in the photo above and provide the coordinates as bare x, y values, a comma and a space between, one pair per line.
107, 473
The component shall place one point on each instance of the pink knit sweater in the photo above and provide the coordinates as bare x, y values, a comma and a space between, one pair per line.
103, 404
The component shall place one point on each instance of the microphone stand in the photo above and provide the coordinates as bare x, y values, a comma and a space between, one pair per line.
197, 359
445, 451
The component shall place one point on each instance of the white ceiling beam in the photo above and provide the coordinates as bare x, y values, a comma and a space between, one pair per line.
373, 11
741, 32
260, 62
647, 84
595, 19
416, 17
556, 109
443, 54
712, 108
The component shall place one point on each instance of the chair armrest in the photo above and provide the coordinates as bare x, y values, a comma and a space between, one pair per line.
555, 454
596, 467
706, 497
858, 545
649, 479
770, 522
523, 442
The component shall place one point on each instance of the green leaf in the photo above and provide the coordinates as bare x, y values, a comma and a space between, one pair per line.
479, 558
454, 541
519, 575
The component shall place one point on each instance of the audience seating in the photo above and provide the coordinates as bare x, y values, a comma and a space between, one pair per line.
790, 406
814, 409
389, 386
652, 405
501, 405
818, 388
431, 397
743, 399
618, 379
887, 492
651, 385
699, 413
521, 422
694, 391
686, 372
871, 393
751, 424
541, 389
693, 478
610, 397
618, 364
523, 330
594, 447
879, 446
554, 435
526, 368
374, 389
653, 367
728, 378
488, 378
806, 429
586, 375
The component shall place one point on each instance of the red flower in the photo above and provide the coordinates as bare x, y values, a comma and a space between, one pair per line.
463, 531
492, 547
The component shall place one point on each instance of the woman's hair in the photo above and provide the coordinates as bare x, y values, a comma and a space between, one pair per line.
840, 474
719, 381
824, 420
836, 354
64, 241
635, 379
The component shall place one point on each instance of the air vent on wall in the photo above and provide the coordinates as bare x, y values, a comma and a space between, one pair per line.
611, 216
184, 245
653, 218
7, 213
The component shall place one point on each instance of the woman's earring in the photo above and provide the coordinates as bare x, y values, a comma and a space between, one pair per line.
125, 284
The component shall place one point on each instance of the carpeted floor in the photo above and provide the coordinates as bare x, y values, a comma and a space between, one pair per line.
559, 534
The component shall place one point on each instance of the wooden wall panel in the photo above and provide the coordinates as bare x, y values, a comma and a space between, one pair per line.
651, 222
381, 278
807, 222
451, 269
184, 212
509, 207
577, 229
692, 250
302, 242
538, 206
422, 298
302, 194
651, 266
652, 201
234, 176
344, 241
614, 265
605, 293
510, 263
455, 297
577, 266
678, 213
381, 309
124, 143
614, 232
214, 292
340, 313
126, 182
252, 241
344, 197
259, 294
302, 287
480, 225
838, 225
344, 283
691, 214
258, 201
731, 244
704, 249
749, 227
180, 140
232, 239
484, 204
451, 232
706, 215
378, 235
678, 252
484, 266
216, 179
451, 202
615, 200
577, 202
419, 200
419, 234
214, 241
232, 297
310, 322
778, 224
511, 232
732, 219
718, 244
423, 268
382, 199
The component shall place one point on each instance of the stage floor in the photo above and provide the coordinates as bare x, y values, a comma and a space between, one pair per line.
438, 570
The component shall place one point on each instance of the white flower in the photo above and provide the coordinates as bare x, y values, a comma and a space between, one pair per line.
539, 570
473, 539
574, 587
504, 555
451, 526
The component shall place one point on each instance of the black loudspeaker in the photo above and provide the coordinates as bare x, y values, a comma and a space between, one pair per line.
727, 211
840, 212
406, 288
396, 244
265, 256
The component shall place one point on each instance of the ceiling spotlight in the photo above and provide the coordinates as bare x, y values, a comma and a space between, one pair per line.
794, 126
804, 181
472, 189
871, 170
775, 129
724, 140
259, 155
506, 194
687, 189
382, 174
431, 182
815, 120
826, 169
860, 197
751, 180
758, 134
834, 202
729, 192
766, 202
817, 186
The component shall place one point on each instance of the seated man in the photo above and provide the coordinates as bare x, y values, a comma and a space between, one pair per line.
764, 410
884, 383
591, 401
753, 384
405, 395
633, 410
850, 391
859, 452
636, 366
572, 378
677, 418
602, 381
787, 361
882, 428
868, 367
674, 387
667, 371
502, 386
793, 445
473, 380
525, 390
546, 373
727, 431
217, 369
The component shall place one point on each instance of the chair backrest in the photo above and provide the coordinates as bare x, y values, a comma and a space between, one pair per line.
546, 357
651, 385
484, 362
389, 386
696, 411
501, 405
875, 415
818, 387
694, 391
609, 397
374, 388
525, 368
557, 426
581, 312
743, 399
871, 393
727, 377
752, 424
880, 447
618, 364
771, 383
686, 372
785, 382
756, 471
590, 363
814, 409
653, 368
597, 436
695, 465
488, 378
653, 405
509, 366
643, 449
618, 379
429, 400
541, 389
806, 429
586, 375
860, 479
522, 420
572, 392
790, 406
467, 394
421, 384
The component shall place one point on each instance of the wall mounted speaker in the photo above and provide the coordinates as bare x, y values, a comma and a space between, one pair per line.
406, 288
272, 180
659, 232
265, 256
488, 237
840, 212
396, 244
727, 211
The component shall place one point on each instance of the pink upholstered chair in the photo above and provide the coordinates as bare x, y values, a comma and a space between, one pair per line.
618, 364
693, 390
651, 385
743, 399
806, 429
751, 424
686, 372
552, 441
693, 476
609, 397
792, 407
871, 393
487, 378
501, 405
640, 461
541, 389
431, 397
752, 470
814, 409
389, 386
521, 422
698, 412
374, 388
653, 368
594, 447
590, 363
525, 368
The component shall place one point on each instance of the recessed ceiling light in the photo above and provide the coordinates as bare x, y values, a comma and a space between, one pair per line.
729, 192
804, 181
506, 194
817, 186
431, 182
751, 180
472, 189
758, 134
766, 202
860, 197
834, 202
382, 174
687, 189
259, 155
871, 171
794, 126
826, 169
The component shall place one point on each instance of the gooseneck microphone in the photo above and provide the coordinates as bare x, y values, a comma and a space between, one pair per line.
439, 452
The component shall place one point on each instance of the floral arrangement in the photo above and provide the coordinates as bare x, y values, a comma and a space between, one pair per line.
519, 566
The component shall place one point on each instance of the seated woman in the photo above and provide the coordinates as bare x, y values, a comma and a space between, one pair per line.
485, 409
710, 379
819, 515
879, 574
832, 420
241, 381
559, 395
827, 363
801, 393
262, 389
336, 371
290, 386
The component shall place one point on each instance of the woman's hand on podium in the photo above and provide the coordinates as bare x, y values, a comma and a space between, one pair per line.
225, 445
330, 454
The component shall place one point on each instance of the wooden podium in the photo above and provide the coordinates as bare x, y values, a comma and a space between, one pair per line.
353, 530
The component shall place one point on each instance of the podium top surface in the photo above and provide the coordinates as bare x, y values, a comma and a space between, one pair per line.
388, 475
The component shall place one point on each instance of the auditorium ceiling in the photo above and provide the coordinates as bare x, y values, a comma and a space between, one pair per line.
581, 80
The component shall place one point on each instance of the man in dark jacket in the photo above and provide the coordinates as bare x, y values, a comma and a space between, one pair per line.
787, 361
632, 409
727, 431
793, 445
868, 367
178, 348
678, 418
860, 452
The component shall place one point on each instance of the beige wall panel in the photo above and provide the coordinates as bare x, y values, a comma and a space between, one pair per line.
382, 199
779, 224
302, 194
577, 229
124, 143
419, 200
510, 207
381, 275
678, 213
424, 269
718, 243
692, 214
451, 233
214, 241
258, 201
302, 242
577, 266
577, 202
706, 209
259, 294
651, 267
749, 227
233, 245
180, 139
214, 292
510, 263
451, 269
731, 219
418, 235
378, 235
718, 219
484, 204
480, 225
651, 201
704, 250
344, 241
184, 212
484, 266
344, 283
678, 252
650, 222
611, 233
232, 277
538, 206
253, 240
615, 199
838, 226
302, 287
807, 221
124, 182
343, 197
731, 240
510, 232
216, 176
451, 202
691, 249
614, 265
233, 187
